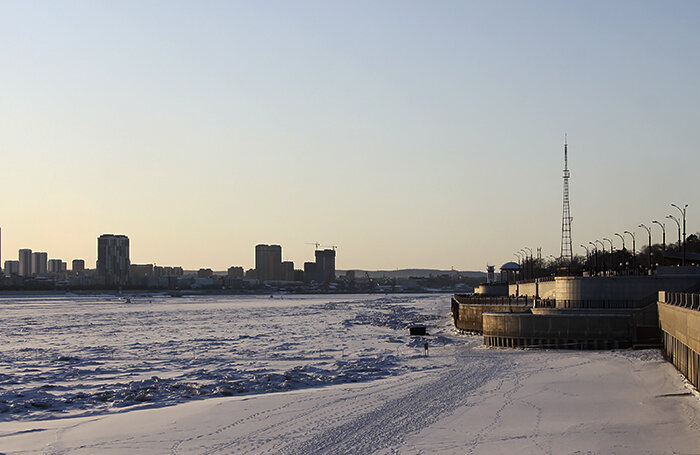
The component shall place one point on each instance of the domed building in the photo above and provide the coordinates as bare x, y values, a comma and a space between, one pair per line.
510, 272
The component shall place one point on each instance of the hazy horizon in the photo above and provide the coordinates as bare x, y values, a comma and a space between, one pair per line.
406, 133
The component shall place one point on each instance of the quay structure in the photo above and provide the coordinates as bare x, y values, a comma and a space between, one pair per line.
576, 312
679, 320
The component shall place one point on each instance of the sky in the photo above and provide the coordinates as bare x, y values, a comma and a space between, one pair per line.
407, 133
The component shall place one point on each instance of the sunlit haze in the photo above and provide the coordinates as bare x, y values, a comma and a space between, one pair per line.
409, 134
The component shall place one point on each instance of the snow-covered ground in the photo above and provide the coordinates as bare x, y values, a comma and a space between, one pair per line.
316, 374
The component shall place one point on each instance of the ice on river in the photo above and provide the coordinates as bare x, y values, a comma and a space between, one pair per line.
316, 375
81, 355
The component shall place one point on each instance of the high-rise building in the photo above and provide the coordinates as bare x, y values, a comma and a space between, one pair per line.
25, 262
325, 265
235, 272
78, 265
113, 259
11, 268
287, 271
310, 272
39, 263
55, 266
268, 262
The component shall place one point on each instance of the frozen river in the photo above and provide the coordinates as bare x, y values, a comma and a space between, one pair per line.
77, 355
316, 375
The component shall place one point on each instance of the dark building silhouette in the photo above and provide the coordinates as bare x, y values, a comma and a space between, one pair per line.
78, 265
25, 262
287, 271
268, 262
235, 272
325, 266
310, 272
113, 259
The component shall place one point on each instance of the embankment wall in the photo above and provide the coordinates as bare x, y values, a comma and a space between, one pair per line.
559, 330
680, 326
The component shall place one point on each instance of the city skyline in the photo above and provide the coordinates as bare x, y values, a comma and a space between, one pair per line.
410, 135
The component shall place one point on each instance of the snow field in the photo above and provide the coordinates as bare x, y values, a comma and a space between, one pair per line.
461, 399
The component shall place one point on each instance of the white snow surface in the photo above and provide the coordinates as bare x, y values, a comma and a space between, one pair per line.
315, 374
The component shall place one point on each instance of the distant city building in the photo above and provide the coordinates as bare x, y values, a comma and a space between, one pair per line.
268, 262
310, 272
39, 263
298, 275
113, 259
139, 271
162, 271
235, 272
78, 265
205, 273
350, 275
287, 271
25, 262
325, 265
11, 268
55, 266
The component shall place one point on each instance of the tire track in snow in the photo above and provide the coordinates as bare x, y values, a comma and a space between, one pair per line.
387, 426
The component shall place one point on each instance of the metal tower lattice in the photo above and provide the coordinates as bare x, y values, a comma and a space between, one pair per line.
566, 250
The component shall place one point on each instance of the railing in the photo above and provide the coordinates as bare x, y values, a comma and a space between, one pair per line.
685, 300
520, 301
602, 304
536, 280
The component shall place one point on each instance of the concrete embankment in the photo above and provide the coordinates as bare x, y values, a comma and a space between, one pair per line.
468, 312
559, 330
679, 319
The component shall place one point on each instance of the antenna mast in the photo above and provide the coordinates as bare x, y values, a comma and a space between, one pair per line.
566, 250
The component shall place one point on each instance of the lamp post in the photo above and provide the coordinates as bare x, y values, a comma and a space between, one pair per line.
522, 250
682, 213
623, 246
678, 223
531, 262
595, 252
602, 258
663, 241
648, 232
634, 250
588, 253
612, 254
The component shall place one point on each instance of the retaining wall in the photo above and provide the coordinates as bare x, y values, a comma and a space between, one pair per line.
559, 330
468, 316
545, 289
680, 326
621, 288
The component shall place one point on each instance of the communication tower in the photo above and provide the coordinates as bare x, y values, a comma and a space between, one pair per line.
566, 250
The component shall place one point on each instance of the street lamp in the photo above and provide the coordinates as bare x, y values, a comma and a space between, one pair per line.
595, 251
612, 254
624, 253
682, 213
602, 259
678, 223
531, 262
524, 271
588, 253
648, 232
663, 233
634, 250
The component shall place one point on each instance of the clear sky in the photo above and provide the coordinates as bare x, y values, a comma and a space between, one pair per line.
410, 134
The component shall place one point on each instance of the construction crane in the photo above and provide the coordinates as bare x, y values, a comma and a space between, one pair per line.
313, 243
335, 247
